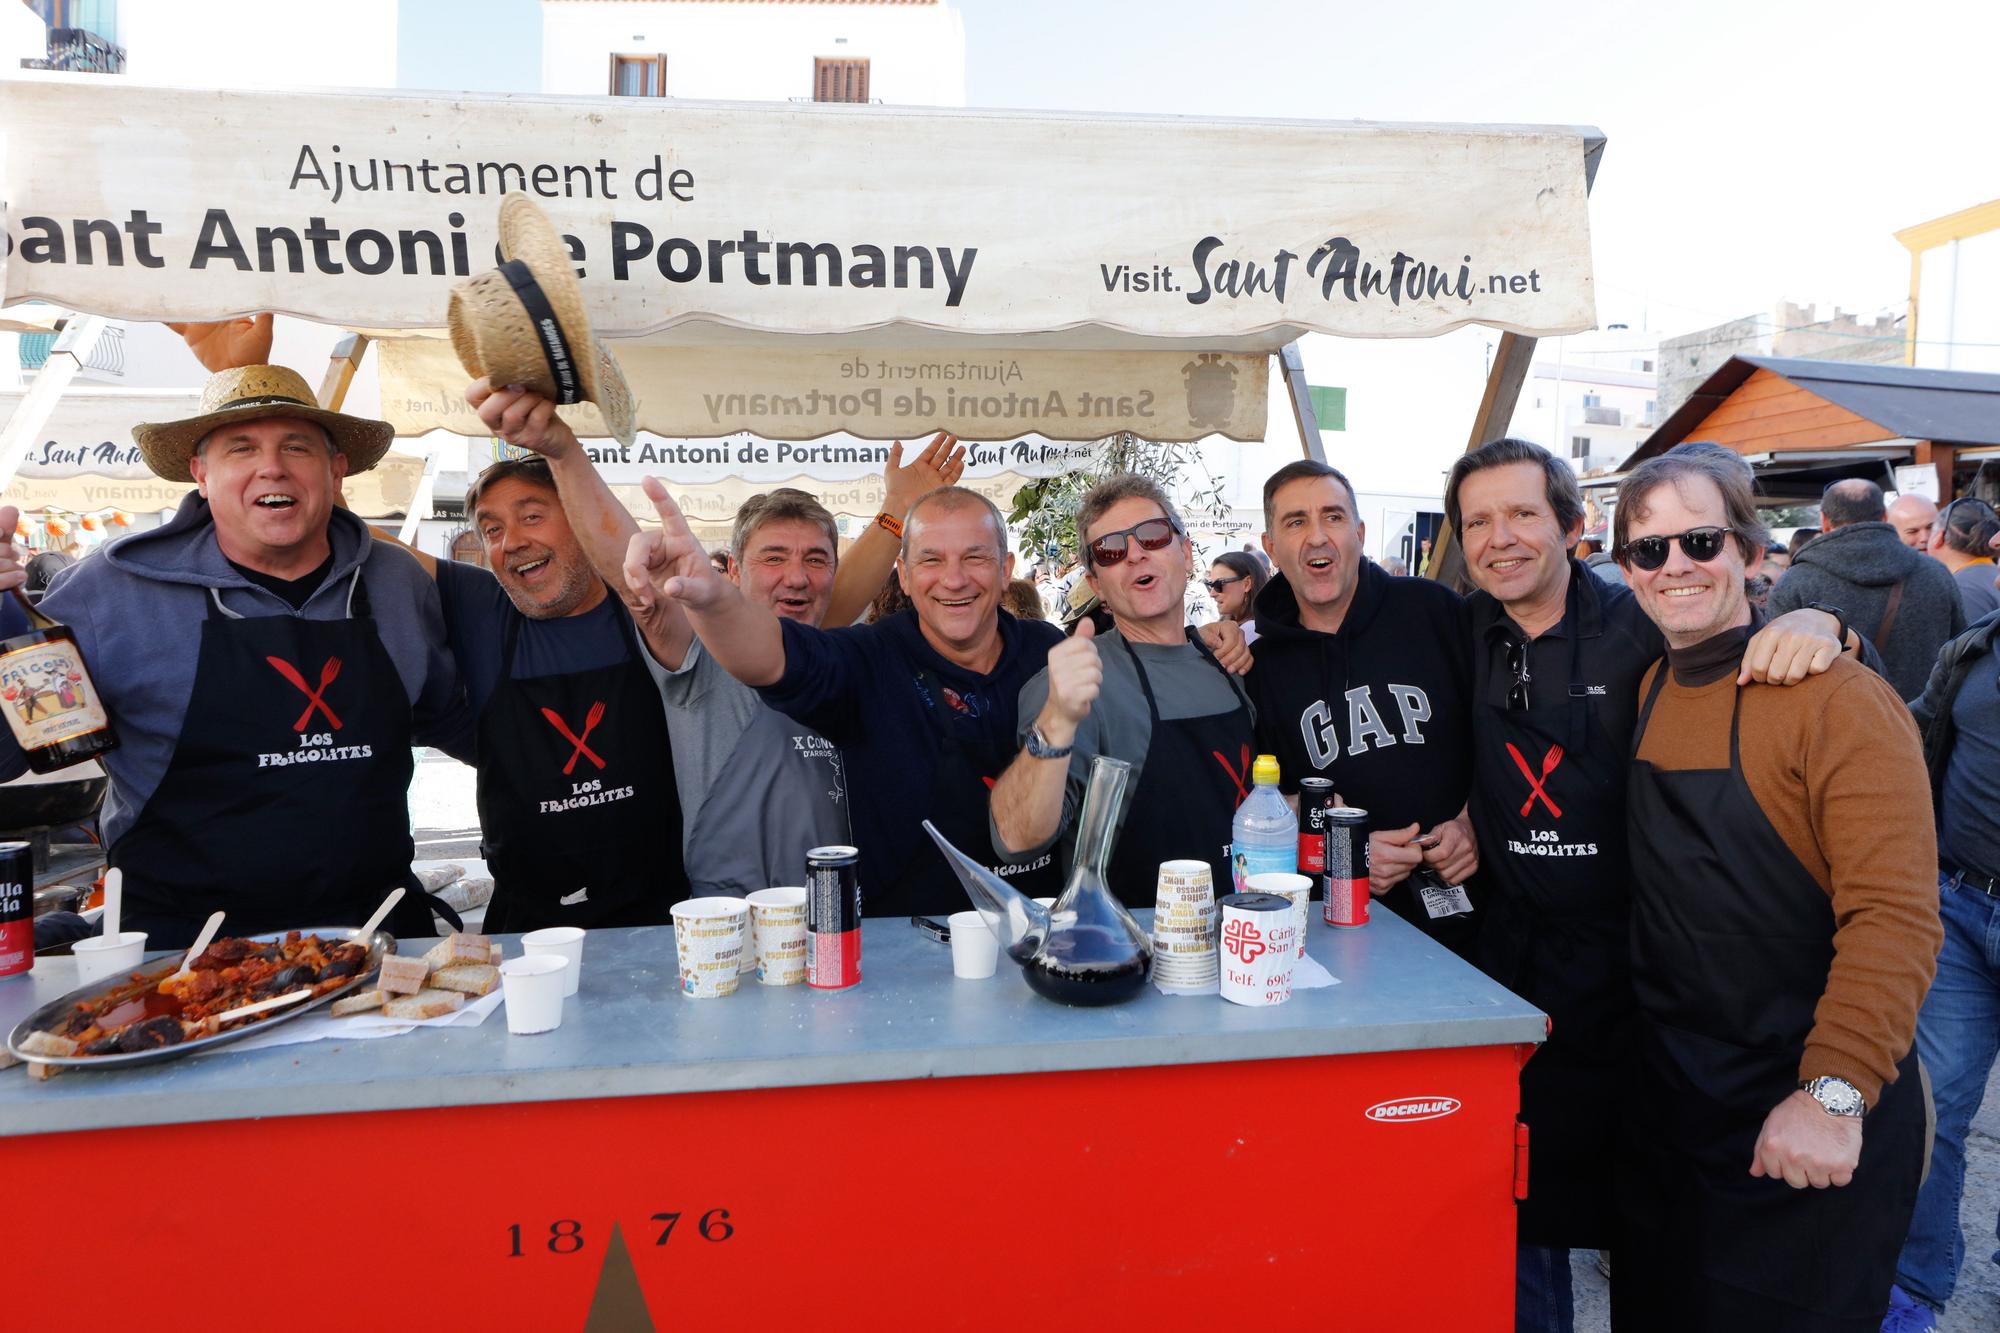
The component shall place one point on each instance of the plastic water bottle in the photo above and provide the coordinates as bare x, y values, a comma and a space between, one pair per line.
1264, 837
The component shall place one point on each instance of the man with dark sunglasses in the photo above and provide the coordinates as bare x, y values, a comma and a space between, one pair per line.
1558, 656
1784, 926
1147, 691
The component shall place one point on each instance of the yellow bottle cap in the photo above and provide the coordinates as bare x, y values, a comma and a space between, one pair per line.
1264, 773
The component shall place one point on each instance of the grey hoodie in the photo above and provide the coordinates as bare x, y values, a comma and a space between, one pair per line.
137, 609
1853, 568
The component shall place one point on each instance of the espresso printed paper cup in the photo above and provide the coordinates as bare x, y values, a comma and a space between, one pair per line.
1259, 948
778, 935
710, 935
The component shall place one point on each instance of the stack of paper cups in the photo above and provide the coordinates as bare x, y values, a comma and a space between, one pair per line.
1298, 888
710, 936
1258, 948
1184, 961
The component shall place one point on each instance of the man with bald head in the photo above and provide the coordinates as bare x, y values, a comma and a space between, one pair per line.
1901, 599
1914, 518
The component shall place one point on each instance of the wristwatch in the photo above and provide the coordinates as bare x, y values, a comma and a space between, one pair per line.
1038, 746
1839, 620
1836, 1096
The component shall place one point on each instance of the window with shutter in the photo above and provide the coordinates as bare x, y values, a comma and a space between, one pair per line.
840, 80
638, 76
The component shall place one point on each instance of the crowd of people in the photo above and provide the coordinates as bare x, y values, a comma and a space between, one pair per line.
1699, 831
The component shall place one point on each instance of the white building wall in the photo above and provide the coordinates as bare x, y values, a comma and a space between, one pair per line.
757, 51
1611, 374
23, 36
260, 43
1958, 305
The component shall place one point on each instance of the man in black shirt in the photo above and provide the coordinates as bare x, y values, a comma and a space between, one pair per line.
1365, 679
1558, 655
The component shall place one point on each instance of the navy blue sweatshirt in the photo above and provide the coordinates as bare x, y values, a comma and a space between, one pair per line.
1383, 706
862, 688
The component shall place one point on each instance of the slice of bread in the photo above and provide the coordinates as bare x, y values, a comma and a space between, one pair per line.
456, 949
46, 1043
402, 975
358, 1003
424, 1004
468, 978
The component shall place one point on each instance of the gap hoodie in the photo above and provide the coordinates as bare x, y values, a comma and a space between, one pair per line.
137, 608
1853, 568
1383, 706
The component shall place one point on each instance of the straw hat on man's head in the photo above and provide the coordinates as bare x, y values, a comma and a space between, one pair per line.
255, 393
524, 323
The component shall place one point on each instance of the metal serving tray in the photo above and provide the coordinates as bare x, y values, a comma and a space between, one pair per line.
381, 943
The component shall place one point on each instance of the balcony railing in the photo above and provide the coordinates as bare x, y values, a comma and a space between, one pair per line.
79, 50
1603, 416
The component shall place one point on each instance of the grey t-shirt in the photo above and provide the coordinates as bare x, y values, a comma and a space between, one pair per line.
758, 790
1975, 589
1185, 684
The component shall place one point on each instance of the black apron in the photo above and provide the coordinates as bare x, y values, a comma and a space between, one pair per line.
1548, 780
1189, 787
1731, 942
577, 796
961, 793
286, 802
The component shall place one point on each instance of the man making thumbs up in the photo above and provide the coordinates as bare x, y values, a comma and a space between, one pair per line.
1146, 691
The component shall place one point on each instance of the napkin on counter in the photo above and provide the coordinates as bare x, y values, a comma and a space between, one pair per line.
321, 1026
1307, 974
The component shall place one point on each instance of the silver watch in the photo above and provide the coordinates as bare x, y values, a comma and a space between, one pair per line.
1038, 746
1836, 1096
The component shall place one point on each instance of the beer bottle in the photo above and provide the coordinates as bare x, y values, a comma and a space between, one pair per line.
48, 696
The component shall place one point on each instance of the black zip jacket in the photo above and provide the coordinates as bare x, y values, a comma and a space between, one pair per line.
1383, 707
1932, 709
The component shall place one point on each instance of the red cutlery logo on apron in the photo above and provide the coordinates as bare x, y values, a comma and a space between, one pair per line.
1538, 789
315, 698
581, 742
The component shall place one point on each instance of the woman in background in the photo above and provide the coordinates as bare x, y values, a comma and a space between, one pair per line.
1234, 581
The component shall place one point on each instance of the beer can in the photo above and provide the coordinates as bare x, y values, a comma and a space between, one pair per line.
833, 918
1315, 799
1346, 866
17, 907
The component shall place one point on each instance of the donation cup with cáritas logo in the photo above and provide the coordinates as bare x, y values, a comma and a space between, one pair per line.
778, 934
1184, 922
1258, 948
710, 935
1298, 888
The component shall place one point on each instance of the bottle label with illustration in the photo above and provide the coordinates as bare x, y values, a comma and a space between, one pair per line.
1246, 861
47, 694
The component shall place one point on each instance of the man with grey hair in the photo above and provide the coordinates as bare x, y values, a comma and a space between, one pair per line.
1783, 929
1901, 599
1147, 691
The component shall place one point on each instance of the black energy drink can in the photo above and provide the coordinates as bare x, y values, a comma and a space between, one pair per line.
17, 907
833, 918
1315, 799
1346, 875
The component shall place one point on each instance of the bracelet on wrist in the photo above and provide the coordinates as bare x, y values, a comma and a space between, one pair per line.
890, 524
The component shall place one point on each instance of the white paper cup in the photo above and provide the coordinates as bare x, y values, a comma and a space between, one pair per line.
532, 986
108, 956
563, 942
975, 950
710, 935
1258, 952
1298, 888
778, 935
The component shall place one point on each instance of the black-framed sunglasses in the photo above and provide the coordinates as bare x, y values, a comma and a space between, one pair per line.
1517, 667
1153, 534
1217, 585
1700, 545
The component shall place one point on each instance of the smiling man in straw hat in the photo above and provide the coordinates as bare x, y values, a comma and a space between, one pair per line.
267, 668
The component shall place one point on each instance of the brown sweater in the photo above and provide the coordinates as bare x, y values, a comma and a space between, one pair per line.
1836, 765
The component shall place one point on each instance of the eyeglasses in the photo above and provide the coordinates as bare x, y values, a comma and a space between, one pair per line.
1153, 534
1217, 585
1517, 666
1700, 545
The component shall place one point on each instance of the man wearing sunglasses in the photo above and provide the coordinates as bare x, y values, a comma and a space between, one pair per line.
1784, 924
1147, 691
1963, 544
1903, 601
1558, 656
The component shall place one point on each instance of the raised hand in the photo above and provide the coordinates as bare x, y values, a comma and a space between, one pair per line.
13, 560
523, 419
670, 563
1076, 674
941, 463
230, 343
